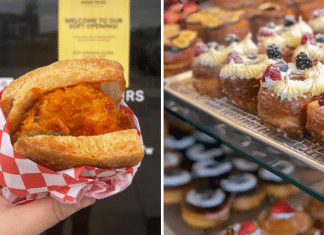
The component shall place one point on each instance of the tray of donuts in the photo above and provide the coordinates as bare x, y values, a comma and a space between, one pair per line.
275, 85
208, 186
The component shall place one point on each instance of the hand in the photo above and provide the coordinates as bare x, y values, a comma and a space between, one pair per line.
37, 216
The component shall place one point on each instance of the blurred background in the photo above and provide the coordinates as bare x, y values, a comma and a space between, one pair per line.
28, 40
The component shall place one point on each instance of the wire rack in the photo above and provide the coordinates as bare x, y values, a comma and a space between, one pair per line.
304, 148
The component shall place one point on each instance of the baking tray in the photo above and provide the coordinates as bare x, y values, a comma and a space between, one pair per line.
304, 149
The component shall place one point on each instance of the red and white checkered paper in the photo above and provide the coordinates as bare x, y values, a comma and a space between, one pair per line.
23, 180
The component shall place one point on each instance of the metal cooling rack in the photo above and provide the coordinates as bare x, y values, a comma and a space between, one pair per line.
304, 148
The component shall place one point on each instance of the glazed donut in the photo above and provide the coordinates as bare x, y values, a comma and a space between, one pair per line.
246, 194
205, 208
176, 182
273, 185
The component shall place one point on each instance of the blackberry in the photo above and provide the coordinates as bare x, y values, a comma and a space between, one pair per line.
230, 38
274, 52
213, 45
303, 61
271, 25
319, 37
289, 20
283, 67
252, 56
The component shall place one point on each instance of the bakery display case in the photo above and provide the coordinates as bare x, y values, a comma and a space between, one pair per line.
242, 53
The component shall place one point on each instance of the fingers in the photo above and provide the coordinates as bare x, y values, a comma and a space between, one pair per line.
37, 216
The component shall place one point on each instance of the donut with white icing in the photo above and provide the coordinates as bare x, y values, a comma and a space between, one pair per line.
205, 208
206, 140
172, 160
176, 182
244, 189
244, 165
199, 152
211, 169
179, 143
273, 185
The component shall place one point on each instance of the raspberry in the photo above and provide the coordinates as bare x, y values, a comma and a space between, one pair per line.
303, 61
235, 56
273, 72
172, 17
308, 37
230, 38
200, 48
274, 52
289, 20
320, 99
191, 8
265, 32
213, 45
319, 37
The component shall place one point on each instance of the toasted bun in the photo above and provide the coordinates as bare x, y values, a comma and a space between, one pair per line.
111, 150
24, 91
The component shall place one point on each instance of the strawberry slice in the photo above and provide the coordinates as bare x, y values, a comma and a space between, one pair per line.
308, 37
171, 17
320, 99
282, 207
235, 56
248, 227
273, 72
265, 32
191, 8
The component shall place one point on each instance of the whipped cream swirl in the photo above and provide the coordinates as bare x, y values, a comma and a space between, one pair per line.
315, 79
289, 89
212, 58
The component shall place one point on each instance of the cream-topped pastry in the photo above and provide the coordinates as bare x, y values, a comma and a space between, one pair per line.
283, 219
317, 21
314, 79
245, 47
205, 69
248, 227
284, 96
294, 34
240, 78
308, 48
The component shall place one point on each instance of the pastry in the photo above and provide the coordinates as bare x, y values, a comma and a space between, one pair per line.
273, 185
176, 183
243, 165
53, 112
245, 192
205, 207
315, 209
317, 21
178, 49
309, 46
179, 143
241, 76
248, 227
211, 171
228, 22
284, 96
205, 70
265, 13
172, 160
305, 8
206, 140
282, 219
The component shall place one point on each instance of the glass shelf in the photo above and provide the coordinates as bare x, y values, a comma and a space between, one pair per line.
243, 132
